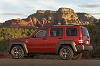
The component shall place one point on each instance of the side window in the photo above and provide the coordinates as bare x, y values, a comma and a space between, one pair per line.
71, 32
85, 32
56, 32
41, 33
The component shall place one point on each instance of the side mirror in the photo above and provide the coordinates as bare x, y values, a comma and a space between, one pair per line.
33, 35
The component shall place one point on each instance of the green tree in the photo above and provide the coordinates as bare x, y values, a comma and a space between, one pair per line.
94, 30
6, 34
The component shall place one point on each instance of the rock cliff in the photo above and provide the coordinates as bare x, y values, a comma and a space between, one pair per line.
16, 23
84, 17
62, 15
41, 18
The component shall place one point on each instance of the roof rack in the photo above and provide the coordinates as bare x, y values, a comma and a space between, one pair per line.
68, 25
64, 25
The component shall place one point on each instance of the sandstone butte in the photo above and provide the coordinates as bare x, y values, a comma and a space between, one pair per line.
62, 16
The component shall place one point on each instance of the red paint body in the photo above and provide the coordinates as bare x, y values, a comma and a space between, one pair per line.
48, 43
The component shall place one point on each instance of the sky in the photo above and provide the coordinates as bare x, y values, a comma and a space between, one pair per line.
13, 9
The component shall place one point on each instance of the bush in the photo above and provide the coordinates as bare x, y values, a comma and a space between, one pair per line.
96, 52
94, 31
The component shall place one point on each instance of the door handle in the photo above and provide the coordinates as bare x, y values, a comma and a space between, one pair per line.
60, 38
44, 39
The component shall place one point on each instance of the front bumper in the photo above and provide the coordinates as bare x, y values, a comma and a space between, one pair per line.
84, 48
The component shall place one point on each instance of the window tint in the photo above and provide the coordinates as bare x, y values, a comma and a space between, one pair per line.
41, 33
71, 32
85, 32
56, 31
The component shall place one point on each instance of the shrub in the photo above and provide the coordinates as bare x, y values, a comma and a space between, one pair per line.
96, 52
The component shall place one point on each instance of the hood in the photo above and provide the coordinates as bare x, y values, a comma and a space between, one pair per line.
19, 39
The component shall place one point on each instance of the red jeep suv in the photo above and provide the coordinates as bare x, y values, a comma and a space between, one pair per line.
69, 41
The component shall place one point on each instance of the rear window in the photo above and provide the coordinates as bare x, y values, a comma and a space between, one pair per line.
71, 32
85, 32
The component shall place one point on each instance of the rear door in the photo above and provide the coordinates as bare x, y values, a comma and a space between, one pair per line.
55, 35
72, 34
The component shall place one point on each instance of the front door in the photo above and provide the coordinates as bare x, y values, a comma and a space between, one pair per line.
39, 42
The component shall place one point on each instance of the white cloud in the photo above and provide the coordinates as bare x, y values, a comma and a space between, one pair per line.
14, 14
90, 5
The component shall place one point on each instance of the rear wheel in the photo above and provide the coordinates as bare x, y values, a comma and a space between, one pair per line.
17, 52
66, 53
30, 56
77, 56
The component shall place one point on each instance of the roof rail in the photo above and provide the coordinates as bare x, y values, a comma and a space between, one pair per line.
64, 25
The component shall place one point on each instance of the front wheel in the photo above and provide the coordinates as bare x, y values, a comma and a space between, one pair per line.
17, 52
66, 53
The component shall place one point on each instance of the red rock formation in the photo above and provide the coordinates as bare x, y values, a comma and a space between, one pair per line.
17, 23
42, 17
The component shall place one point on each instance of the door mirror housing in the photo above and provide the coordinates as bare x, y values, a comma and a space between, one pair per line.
33, 36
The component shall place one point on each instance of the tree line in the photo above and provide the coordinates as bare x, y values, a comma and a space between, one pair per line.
94, 31
6, 34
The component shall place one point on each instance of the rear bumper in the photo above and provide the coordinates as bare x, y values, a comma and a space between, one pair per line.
84, 48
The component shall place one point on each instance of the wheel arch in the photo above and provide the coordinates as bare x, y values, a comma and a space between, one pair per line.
22, 44
65, 43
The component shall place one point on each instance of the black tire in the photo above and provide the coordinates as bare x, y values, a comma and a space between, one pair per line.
77, 56
66, 53
17, 52
30, 56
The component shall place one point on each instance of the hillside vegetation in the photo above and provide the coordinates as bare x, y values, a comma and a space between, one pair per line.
94, 30
6, 34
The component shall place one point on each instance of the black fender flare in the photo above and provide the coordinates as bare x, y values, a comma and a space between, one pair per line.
66, 42
18, 43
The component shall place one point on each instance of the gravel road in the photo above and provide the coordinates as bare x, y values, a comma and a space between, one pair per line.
46, 62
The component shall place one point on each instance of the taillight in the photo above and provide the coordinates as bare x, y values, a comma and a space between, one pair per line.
84, 40
87, 40
80, 40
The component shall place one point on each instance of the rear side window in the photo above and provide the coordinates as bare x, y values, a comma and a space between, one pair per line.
56, 32
71, 32
85, 32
